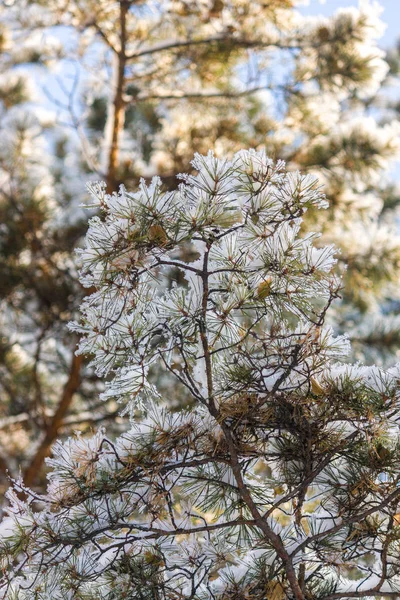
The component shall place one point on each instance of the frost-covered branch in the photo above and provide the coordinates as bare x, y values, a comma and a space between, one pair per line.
280, 478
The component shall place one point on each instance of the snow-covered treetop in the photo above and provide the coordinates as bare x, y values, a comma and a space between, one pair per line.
280, 480
249, 269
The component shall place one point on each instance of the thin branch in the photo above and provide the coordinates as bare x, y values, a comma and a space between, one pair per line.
179, 95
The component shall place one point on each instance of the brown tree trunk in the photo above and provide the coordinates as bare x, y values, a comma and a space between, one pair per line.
117, 116
70, 388
117, 123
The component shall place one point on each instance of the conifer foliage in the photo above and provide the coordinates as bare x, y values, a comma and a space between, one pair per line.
280, 478
122, 89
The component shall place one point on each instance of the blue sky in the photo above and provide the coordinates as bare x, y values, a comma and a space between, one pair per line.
390, 15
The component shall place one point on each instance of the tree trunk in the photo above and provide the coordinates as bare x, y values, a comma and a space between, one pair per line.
117, 108
70, 388
116, 117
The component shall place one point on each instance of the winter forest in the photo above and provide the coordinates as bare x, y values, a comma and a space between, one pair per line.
199, 300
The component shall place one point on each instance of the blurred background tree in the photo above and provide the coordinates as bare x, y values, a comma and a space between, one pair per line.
119, 90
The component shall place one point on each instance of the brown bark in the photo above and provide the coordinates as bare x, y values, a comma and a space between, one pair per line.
118, 104
70, 388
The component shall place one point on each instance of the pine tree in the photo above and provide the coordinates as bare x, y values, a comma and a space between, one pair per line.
39, 290
26, 201
281, 480
145, 86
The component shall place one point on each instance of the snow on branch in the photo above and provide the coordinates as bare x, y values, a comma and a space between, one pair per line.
278, 479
